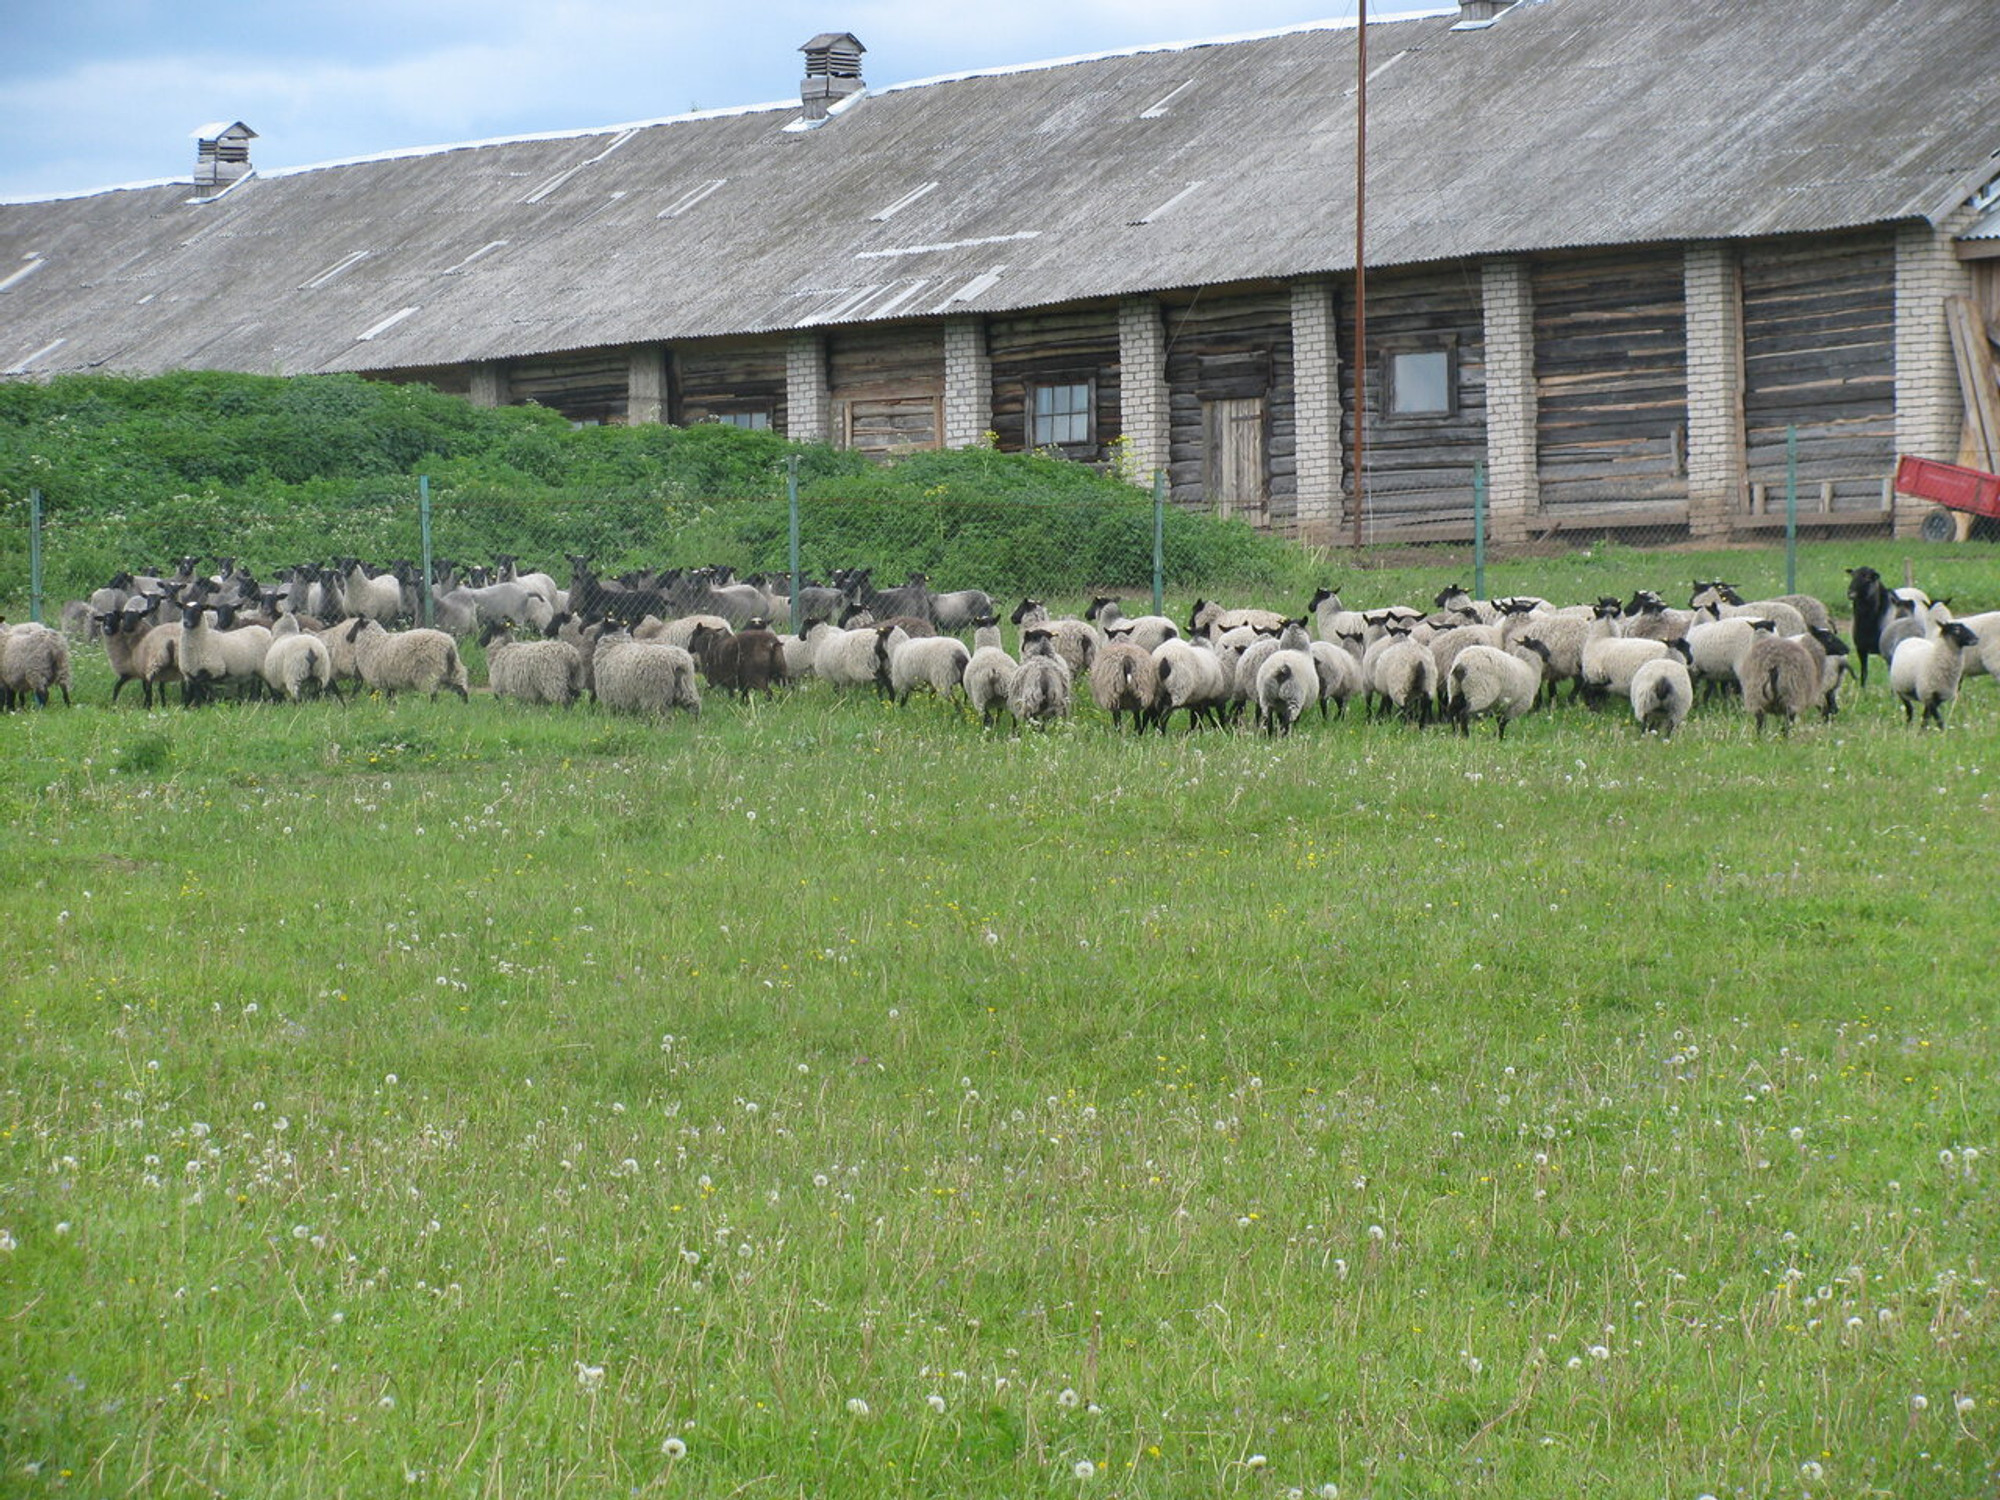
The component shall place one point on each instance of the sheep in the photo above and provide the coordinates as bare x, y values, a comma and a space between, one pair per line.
464, 610
853, 658
297, 666
1662, 692
33, 659
1647, 618
1490, 680
157, 662
1192, 677
1125, 679
1331, 619
1076, 641
1287, 682
937, 662
644, 677
743, 662
1984, 661
1211, 619
1779, 675
1144, 631
1339, 676
1870, 601
1565, 637
960, 609
212, 654
1833, 668
1608, 665
1928, 672
537, 671
989, 674
378, 599
1042, 684
416, 661
1907, 620
124, 631
1714, 648
1406, 679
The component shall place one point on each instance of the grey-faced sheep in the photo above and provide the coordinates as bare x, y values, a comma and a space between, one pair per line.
1125, 679
1926, 673
644, 677
410, 661
936, 662
1042, 684
1662, 693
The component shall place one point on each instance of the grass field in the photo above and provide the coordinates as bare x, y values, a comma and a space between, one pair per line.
821, 1099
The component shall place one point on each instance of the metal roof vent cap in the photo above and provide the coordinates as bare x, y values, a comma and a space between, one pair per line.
222, 155
833, 72
1481, 10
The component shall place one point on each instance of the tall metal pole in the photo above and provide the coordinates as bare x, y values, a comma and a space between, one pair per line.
1791, 510
35, 555
792, 494
1479, 528
424, 533
1159, 536
1360, 272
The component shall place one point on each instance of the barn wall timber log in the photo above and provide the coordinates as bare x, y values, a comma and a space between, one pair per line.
1419, 480
1819, 346
887, 387
1055, 348
1232, 347
588, 386
1611, 381
731, 375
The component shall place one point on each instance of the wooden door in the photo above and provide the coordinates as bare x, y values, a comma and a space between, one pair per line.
1233, 472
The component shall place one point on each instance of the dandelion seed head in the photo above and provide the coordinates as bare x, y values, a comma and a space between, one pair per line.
674, 1448
1084, 1469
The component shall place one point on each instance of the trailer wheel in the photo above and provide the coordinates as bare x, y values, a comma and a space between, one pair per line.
1940, 525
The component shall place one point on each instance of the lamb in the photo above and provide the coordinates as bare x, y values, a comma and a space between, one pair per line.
1042, 685
1928, 672
1563, 635
680, 631
990, 673
416, 661
1779, 675
644, 677
1488, 680
1287, 682
1908, 620
537, 671
1986, 626
1076, 641
297, 666
960, 609
1125, 679
936, 661
33, 659
1662, 692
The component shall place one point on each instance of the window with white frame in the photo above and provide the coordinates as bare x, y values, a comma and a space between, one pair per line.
1060, 415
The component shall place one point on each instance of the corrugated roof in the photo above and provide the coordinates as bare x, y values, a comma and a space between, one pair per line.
1569, 123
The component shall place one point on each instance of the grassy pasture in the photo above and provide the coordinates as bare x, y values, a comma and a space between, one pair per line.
823, 1099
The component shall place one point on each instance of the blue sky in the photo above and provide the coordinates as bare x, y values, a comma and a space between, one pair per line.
97, 93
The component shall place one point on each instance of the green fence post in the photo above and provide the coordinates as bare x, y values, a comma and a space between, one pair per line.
1791, 510
1159, 539
35, 555
424, 530
1478, 529
792, 494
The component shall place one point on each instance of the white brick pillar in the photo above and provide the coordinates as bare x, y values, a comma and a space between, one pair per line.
1930, 408
1316, 392
968, 383
1142, 386
646, 385
808, 405
489, 384
1716, 459
1513, 485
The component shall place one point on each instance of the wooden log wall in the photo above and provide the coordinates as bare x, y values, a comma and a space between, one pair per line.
1819, 353
1228, 347
588, 386
1611, 378
1419, 468
729, 375
887, 386
1054, 348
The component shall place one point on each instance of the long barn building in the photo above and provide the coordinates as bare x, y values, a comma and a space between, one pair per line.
1616, 249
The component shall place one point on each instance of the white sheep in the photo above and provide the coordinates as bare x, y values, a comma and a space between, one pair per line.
1608, 666
854, 658
1662, 692
413, 661
1488, 680
990, 673
1192, 677
1927, 672
644, 677
33, 659
378, 599
1042, 684
1714, 647
538, 671
1779, 674
1406, 678
1125, 679
213, 655
1339, 675
1287, 684
936, 662
1143, 631
296, 666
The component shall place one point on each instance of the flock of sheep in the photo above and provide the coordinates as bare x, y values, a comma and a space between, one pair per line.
644, 643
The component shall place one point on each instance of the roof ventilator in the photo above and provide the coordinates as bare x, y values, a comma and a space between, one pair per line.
221, 156
1477, 15
833, 72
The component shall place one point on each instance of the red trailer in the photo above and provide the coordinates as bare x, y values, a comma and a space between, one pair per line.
1962, 495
